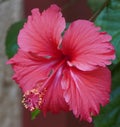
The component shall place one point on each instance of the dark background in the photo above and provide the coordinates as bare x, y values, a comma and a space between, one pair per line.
72, 10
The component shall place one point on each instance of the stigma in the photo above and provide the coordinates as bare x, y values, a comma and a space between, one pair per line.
33, 99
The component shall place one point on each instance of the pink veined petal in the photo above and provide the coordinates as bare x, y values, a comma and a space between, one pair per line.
86, 46
85, 91
53, 100
29, 69
42, 32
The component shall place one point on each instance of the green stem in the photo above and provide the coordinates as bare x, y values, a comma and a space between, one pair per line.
99, 11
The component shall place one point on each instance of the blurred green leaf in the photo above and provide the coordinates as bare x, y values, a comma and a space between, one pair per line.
110, 115
11, 38
109, 20
95, 5
35, 113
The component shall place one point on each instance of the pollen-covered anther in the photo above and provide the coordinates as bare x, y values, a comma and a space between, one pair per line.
33, 99
41, 95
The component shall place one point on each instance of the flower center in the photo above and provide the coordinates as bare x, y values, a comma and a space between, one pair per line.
67, 59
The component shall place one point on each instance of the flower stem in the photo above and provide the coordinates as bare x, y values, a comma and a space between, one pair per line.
99, 11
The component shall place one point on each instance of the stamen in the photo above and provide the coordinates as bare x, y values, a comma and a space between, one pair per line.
33, 99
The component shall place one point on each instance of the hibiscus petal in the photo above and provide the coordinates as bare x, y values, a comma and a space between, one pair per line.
42, 32
30, 69
86, 91
87, 47
53, 100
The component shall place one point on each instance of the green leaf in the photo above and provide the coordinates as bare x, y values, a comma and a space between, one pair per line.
35, 113
11, 38
109, 20
110, 115
95, 5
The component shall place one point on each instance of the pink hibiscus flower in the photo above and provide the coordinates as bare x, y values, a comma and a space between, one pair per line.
65, 72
